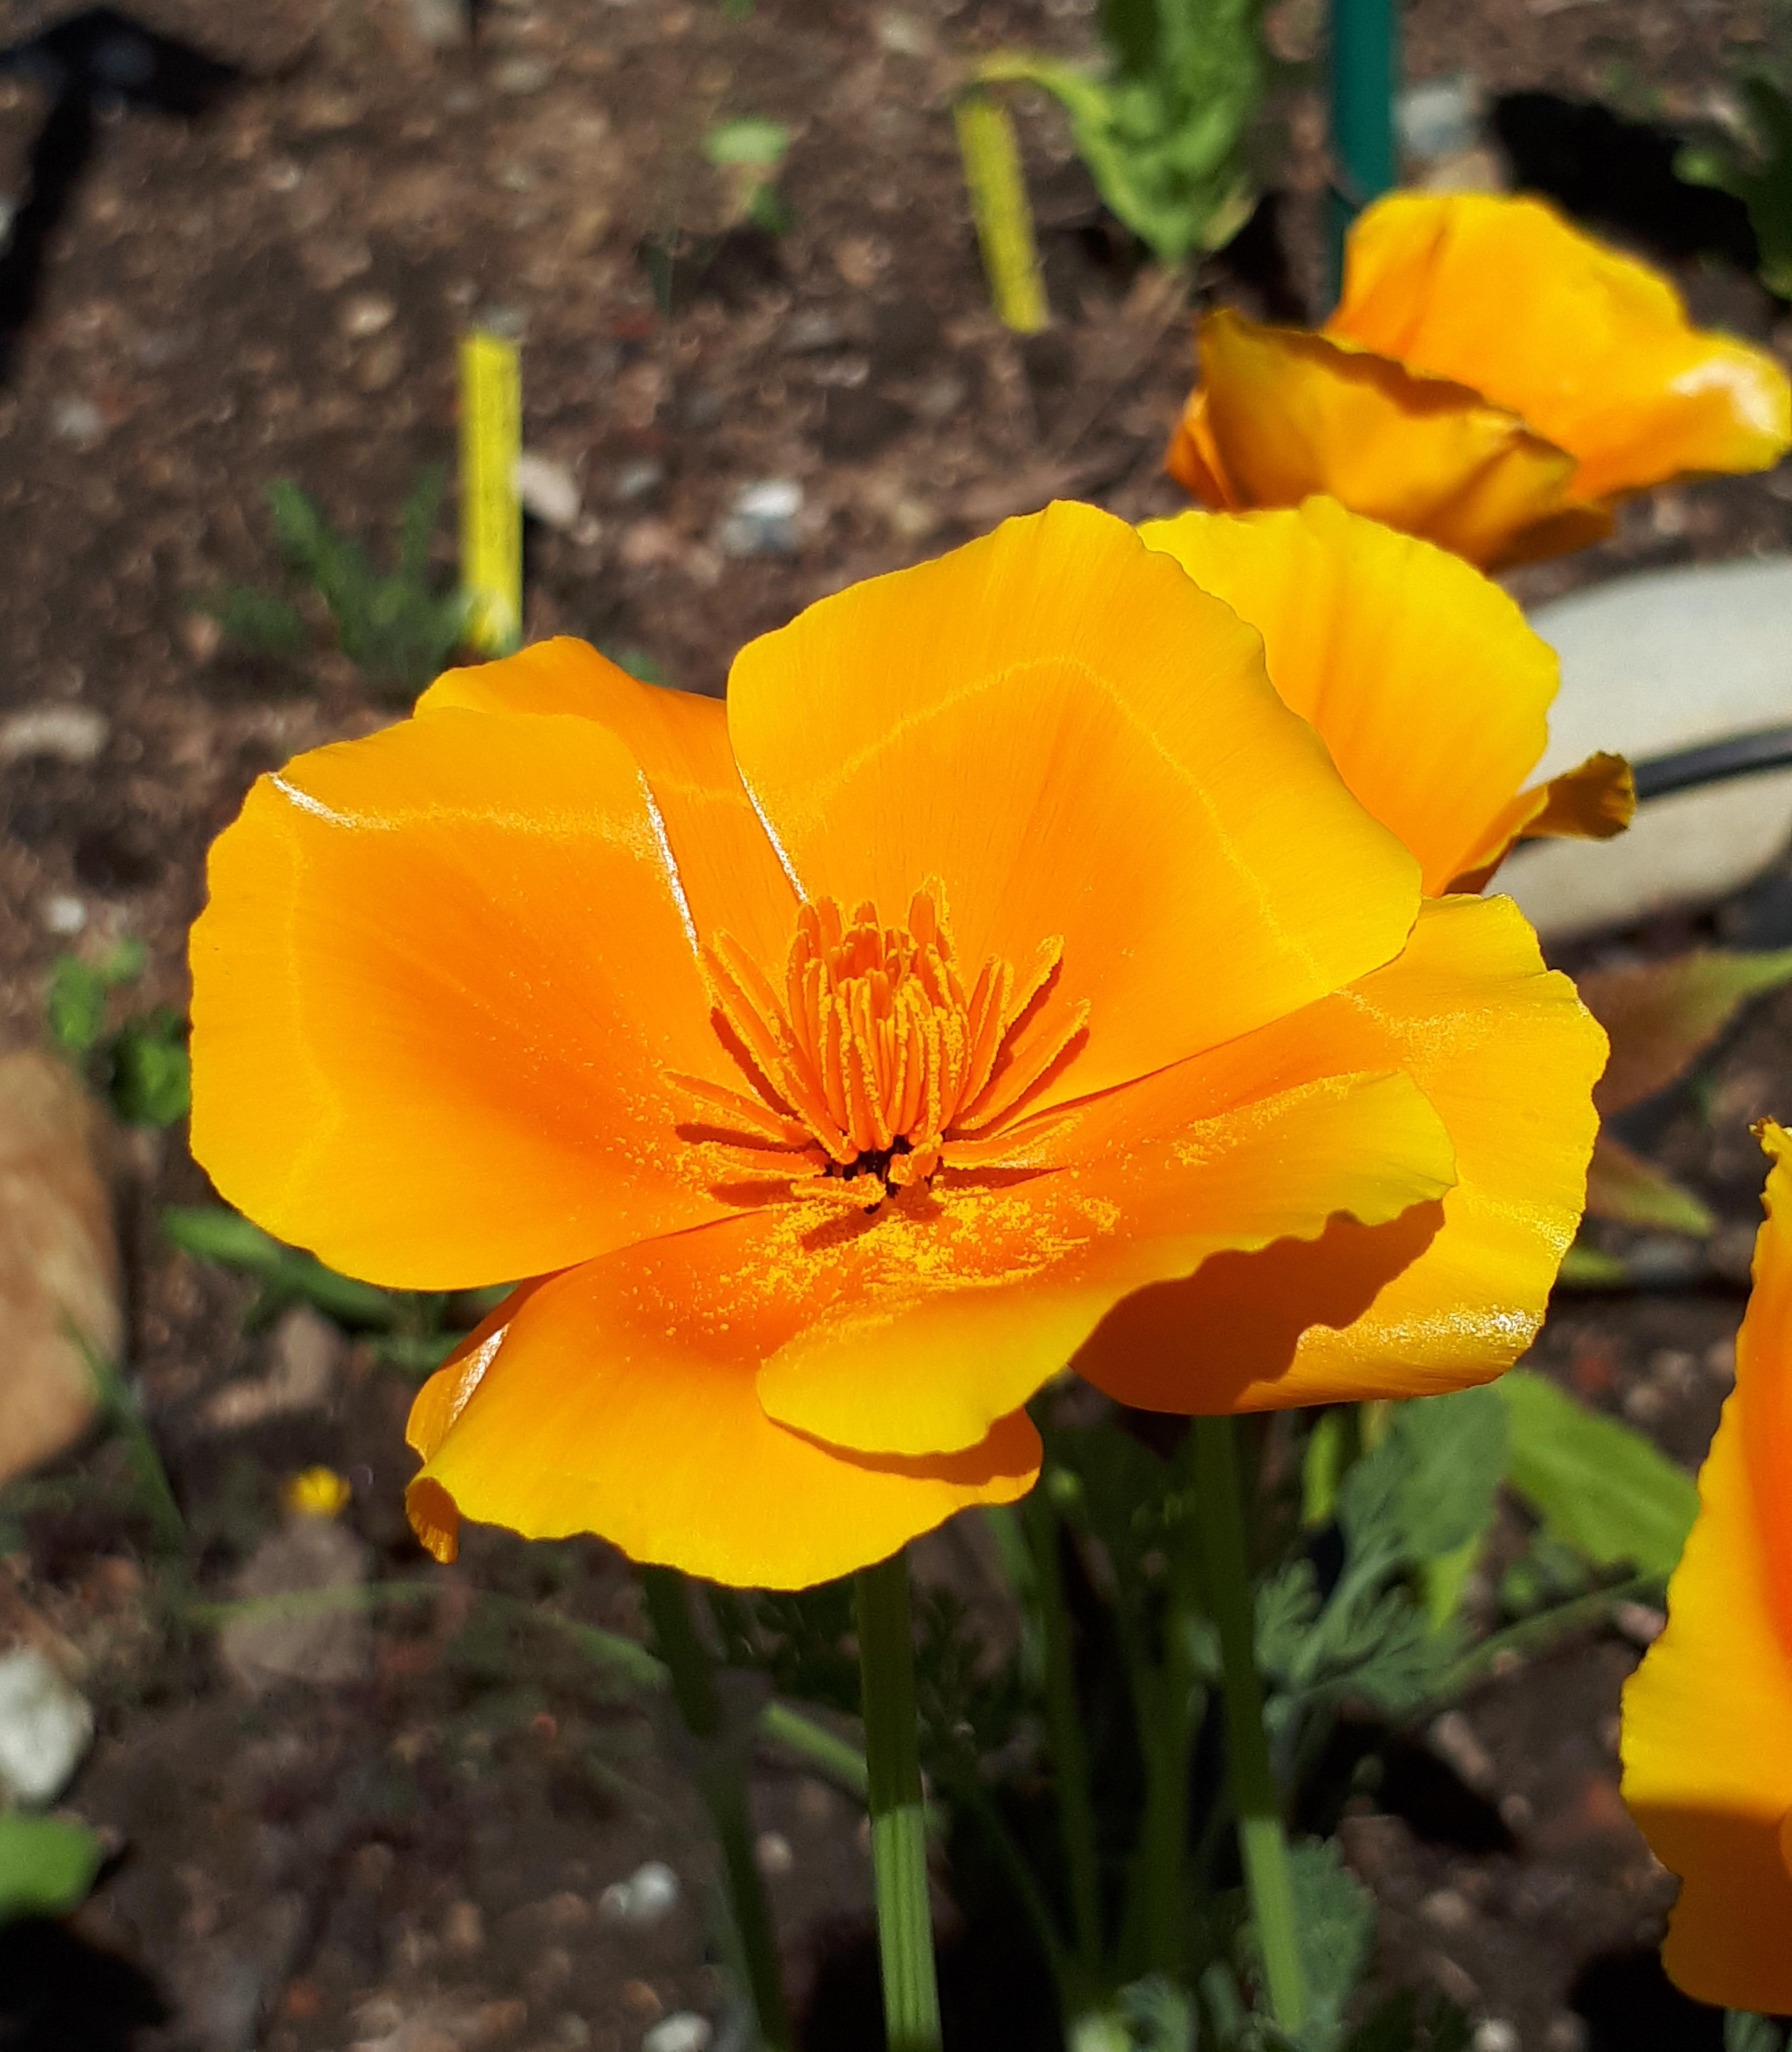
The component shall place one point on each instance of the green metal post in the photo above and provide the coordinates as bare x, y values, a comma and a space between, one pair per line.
1365, 74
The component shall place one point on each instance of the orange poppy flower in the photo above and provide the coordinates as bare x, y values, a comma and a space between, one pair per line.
1491, 379
1708, 1717
1424, 681
836, 1063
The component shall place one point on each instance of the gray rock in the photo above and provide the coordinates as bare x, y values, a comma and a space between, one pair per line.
304, 1354
45, 1729
440, 25
1652, 663
1440, 119
522, 76
648, 1897
684, 2031
308, 1623
69, 733
548, 489
763, 519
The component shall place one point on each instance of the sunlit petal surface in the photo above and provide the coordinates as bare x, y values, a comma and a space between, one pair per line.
1590, 348
1081, 745
1423, 680
1281, 413
1708, 1717
1449, 1294
619, 1398
441, 977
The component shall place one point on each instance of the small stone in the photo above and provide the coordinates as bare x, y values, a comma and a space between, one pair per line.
1644, 1404
813, 331
58, 1261
1494, 2033
463, 1928
201, 636
772, 1851
380, 368
1720, 1362
45, 1728
763, 519
1453, 1740
64, 915
305, 1355
521, 75
1516, 1812
650, 543
365, 314
684, 2031
79, 422
548, 489
1447, 1909
1455, 1982
1642, 1623
440, 25
306, 1557
1441, 118
69, 733
861, 259
639, 480
648, 1897
642, 1997
906, 36
573, 2031
1565, 2032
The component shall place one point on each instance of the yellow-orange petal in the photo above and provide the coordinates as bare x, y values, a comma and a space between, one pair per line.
964, 1303
732, 879
1708, 1717
1082, 745
618, 1399
1423, 680
1285, 412
1589, 347
1508, 1055
441, 974
1592, 801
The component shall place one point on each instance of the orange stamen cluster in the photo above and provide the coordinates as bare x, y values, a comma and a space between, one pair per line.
875, 1061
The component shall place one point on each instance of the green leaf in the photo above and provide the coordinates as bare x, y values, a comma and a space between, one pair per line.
1597, 1485
1662, 1015
751, 140
1622, 1186
151, 1079
1334, 1916
216, 1234
47, 1865
74, 1009
1586, 1267
269, 625
1434, 1477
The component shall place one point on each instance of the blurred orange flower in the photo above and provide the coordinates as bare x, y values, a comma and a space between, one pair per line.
840, 1063
1708, 1717
1492, 379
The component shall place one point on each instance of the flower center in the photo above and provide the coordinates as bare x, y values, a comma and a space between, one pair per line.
875, 1064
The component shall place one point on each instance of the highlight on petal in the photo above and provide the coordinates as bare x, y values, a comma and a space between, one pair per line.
1422, 676
441, 974
618, 1398
1443, 1297
1589, 347
1084, 747
732, 879
1282, 413
958, 1306
1708, 1771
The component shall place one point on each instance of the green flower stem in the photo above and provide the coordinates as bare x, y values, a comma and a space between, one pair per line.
1365, 69
722, 1783
1166, 1731
911, 2000
1219, 1513
1070, 1752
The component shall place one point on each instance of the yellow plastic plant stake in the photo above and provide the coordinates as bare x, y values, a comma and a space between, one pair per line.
993, 178
490, 513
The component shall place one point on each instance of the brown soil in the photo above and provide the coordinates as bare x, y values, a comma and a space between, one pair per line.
412, 1861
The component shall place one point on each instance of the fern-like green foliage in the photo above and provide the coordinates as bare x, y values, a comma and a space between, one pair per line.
1163, 126
140, 1068
1757, 167
400, 629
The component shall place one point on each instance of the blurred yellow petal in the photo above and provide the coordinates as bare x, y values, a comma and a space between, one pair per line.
1708, 1717
1283, 413
415, 946
1424, 681
731, 874
1448, 1295
1593, 349
618, 1399
1083, 747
